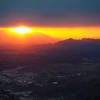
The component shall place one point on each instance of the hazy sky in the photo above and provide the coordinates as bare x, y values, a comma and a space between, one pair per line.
50, 12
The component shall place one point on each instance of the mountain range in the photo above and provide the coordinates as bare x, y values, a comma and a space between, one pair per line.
67, 51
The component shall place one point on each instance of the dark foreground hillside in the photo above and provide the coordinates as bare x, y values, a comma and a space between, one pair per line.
67, 70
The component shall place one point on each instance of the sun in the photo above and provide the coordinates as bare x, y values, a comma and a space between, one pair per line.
21, 30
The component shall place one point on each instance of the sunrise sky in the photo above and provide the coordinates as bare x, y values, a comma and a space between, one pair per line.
60, 19
57, 32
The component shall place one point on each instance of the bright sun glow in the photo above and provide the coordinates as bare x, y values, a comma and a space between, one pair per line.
21, 30
55, 32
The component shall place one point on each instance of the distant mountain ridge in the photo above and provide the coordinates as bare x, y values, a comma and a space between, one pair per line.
71, 50
67, 51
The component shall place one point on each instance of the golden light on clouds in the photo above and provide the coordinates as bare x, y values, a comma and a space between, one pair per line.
70, 32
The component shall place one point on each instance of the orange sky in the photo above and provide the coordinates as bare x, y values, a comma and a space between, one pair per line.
55, 32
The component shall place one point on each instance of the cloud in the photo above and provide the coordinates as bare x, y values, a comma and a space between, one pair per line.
50, 12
